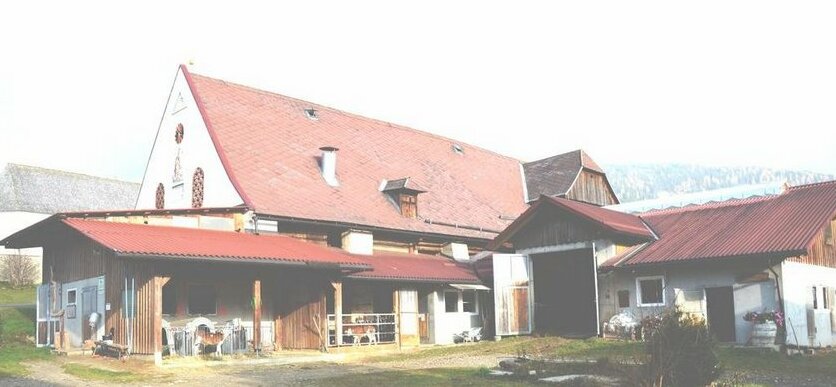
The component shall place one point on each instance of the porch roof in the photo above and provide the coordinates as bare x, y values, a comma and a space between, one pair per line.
176, 242
418, 268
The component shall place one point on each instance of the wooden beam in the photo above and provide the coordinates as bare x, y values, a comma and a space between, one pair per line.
396, 310
257, 315
338, 311
157, 323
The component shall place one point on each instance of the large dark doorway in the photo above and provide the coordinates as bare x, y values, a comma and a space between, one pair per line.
720, 308
564, 293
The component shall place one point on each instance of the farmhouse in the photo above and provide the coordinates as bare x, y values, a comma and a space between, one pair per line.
293, 226
576, 266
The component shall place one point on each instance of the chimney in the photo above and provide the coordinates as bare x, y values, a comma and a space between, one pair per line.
329, 165
457, 251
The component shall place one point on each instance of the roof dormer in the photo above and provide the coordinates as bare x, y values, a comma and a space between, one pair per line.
404, 195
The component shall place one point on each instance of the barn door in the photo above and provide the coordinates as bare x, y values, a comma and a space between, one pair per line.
512, 294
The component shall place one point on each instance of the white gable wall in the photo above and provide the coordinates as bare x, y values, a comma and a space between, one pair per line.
196, 150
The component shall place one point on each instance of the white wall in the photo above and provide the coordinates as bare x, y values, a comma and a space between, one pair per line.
444, 324
756, 296
798, 280
196, 150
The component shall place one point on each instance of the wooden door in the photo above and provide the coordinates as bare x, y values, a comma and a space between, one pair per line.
720, 308
512, 294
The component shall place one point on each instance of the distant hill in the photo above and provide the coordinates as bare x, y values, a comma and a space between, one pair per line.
633, 182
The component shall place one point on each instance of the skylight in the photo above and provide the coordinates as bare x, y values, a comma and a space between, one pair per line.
311, 113
458, 149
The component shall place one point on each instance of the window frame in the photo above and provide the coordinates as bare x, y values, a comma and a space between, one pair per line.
458, 301
475, 301
825, 298
407, 202
618, 298
74, 291
639, 280
189, 299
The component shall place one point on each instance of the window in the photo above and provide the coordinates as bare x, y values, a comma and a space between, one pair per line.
825, 298
828, 233
202, 299
71, 296
409, 205
469, 301
458, 149
160, 201
623, 298
451, 302
197, 188
311, 114
178, 134
815, 298
651, 291
170, 299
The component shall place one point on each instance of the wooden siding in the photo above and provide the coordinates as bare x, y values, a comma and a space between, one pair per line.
301, 311
553, 227
821, 253
592, 187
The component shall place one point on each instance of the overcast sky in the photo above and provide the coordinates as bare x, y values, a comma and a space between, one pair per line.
83, 85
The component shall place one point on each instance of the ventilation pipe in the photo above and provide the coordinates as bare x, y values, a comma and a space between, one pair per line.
329, 165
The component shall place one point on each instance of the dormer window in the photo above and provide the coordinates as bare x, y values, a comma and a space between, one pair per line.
409, 205
403, 193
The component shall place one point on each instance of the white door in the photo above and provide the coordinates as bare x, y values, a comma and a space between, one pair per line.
513, 294
409, 311
821, 313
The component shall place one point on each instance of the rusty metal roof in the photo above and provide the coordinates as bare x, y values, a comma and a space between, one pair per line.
417, 267
776, 225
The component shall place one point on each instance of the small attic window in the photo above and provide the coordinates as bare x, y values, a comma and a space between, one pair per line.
458, 149
311, 113
404, 195
409, 205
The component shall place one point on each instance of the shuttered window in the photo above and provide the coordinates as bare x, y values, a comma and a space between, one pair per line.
409, 205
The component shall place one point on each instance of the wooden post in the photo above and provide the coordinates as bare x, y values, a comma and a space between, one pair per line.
256, 315
338, 311
157, 323
396, 306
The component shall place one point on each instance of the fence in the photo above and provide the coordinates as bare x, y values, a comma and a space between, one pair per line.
180, 341
365, 328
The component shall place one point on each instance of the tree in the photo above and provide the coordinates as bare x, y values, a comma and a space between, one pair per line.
18, 269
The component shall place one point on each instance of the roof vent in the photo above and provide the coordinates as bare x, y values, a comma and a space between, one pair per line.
458, 149
311, 113
328, 165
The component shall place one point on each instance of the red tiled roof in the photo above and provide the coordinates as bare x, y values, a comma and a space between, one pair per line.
784, 224
269, 147
146, 240
414, 267
613, 221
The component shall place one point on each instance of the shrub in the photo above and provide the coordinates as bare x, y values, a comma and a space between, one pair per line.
680, 352
18, 269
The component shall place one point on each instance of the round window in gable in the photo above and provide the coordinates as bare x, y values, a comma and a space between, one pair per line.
160, 202
178, 133
197, 188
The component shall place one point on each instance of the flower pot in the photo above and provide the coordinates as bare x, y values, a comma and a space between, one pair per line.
763, 334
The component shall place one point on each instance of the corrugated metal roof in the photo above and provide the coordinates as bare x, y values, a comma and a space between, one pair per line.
782, 224
49, 191
147, 240
415, 267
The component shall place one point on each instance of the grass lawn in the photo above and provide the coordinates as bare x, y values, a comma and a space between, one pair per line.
23, 295
552, 347
86, 372
746, 359
433, 377
17, 324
